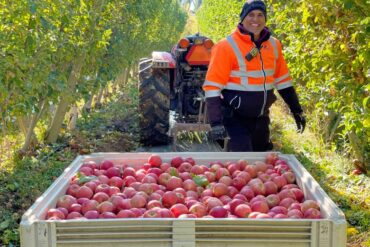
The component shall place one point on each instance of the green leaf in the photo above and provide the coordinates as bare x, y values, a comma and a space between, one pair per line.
365, 102
12, 186
33, 7
200, 180
4, 224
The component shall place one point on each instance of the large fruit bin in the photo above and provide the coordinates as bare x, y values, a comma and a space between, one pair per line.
329, 231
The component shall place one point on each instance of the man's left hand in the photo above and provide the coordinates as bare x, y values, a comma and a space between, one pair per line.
300, 120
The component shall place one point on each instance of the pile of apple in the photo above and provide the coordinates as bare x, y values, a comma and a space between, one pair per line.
184, 189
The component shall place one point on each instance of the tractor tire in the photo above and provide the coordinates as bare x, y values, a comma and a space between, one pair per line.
154, 104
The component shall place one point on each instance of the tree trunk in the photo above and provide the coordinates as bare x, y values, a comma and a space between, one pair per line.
73, 118
106, 93
31, 137
88, 103
126, 75
23, 122
99, 97
65, 100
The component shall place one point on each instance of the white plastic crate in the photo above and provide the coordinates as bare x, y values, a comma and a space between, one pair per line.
330, 231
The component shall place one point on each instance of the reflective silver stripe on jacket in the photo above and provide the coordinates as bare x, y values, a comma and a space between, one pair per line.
212, 93
254, 74
277, 80
241, 61
252, 88
214, 84
274, 46
283, 85
215, 92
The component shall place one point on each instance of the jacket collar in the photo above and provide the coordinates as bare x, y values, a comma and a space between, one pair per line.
249, 37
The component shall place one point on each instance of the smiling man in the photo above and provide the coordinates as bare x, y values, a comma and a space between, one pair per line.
244, 70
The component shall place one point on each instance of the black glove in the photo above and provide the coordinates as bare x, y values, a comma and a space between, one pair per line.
300, 120
218, 132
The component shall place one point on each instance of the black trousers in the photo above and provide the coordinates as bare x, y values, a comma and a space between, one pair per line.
247, 134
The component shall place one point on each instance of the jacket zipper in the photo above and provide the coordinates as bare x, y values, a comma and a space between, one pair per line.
264, 84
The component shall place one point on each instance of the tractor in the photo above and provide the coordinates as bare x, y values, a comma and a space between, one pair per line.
171, 98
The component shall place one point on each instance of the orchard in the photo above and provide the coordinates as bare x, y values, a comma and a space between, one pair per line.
183, 188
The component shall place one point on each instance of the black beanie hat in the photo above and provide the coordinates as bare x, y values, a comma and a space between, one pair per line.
250, 6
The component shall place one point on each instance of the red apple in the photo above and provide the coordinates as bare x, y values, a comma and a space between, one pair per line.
115, 181
92, 184
242, 211
113, 190
271, 158
87, 171
252, 170
272, 200
66, 201
92, 214
89, 205
125, 213
260, 206
107, 215
295, 213
309, 204
234, 203
129, 171
100, 197
312, 213
289, 176
220, 189
185, 167
165, 213
176, 161
178, 209
155, 160
105, 206
152, 213
288, 193
138, 201
84, 192
280, 181
74, 215
72, 189
247, 192
218, 212
169, 198
153, 204
189, 185
242, 164
199, 209
286, 202
298, 193
173, 183
212, 202
279, 210
75, 207
58, 214
106, 164
270, 188
211, 177
102, 188
113, 172
103, 179
164, 167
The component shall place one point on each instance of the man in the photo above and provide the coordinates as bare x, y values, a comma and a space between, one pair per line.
239, 87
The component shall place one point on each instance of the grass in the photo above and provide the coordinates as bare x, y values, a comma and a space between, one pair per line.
114, 128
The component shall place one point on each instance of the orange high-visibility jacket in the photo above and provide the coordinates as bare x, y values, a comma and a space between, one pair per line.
229, 69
